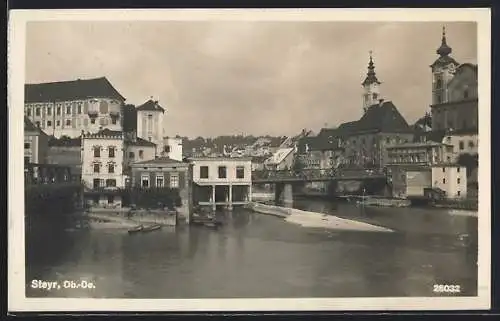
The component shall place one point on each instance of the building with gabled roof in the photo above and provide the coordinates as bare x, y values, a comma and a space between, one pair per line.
64, 108
282, 159
150, 124
36, 143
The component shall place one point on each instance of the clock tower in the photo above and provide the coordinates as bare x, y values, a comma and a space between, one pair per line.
371, 86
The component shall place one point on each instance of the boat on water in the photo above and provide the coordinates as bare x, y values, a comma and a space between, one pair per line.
136, 229
151, 228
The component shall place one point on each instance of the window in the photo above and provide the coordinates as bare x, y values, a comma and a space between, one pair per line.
26, 159
111, 152
111, 168
448, 159
203, 171
26, 145
28, 112
149, 138
141, 154
68, 110
68, 122
439, 82
79, 108
388, 140
458, 169
111, 199
37, 124
145, 180
458, 180
58, 112
471, 144
111, 182
58, 123
160, 181
97, 182
174, 180
113, 121
49, 111
444, 169
37, 111
461, 145
240, 172
131, 155
49, 123
438, 99
92, 120
444, 180
375, 96
97, 151
167, 149
222, 172
97, 168
458, 193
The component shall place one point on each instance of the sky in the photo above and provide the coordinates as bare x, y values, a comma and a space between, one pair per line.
249, 77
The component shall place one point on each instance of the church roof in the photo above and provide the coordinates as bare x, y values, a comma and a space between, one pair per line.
70, 90
444, 52
371, 77
151, 105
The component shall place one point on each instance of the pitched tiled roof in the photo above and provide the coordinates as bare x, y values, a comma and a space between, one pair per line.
151, 105
29, 126
383, 117
141, 142
105, 133
320, 143
70, 90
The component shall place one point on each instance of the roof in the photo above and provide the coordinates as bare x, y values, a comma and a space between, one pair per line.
160, 161
67, 142
319, 143
410, 145
79, 89
140, 142
29, 126
279, 156
383, 117
105, 133
220, 158
150, 105
444, 61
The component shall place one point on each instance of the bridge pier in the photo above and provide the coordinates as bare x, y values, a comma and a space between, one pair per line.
284, 193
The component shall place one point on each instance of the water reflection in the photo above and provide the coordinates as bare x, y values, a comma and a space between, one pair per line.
254, 255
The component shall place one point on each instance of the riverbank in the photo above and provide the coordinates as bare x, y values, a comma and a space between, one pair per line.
316, 220
121, 219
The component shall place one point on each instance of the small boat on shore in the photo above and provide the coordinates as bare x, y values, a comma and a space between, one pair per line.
151, 228
136, 229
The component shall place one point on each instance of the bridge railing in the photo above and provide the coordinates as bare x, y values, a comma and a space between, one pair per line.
308, 174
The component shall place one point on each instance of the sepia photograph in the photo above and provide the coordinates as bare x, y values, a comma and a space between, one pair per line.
205, 160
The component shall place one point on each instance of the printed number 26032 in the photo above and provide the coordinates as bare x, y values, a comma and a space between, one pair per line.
446, 288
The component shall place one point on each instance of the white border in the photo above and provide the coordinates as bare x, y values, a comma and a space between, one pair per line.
16, 72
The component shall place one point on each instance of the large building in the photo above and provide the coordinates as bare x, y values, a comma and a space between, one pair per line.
66, 108
452, 179
454, 92
164, 172
102, 167
222, 181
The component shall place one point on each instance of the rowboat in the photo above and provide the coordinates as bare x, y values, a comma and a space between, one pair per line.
151, 228
136, 229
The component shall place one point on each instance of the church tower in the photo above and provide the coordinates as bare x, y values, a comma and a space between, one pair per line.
371, 86
443, 70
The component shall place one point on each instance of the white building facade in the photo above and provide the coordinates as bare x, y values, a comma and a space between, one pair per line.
222, 181
150, 124
452, 179
172, 148
102, 167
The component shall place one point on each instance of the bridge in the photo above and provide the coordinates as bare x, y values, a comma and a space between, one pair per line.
51, 188
314, 175
285, 181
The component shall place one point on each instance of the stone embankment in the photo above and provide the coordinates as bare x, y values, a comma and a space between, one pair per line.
120, 218
316, 220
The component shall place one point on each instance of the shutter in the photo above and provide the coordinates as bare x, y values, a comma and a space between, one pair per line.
182, 181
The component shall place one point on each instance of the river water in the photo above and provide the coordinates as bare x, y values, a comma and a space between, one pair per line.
255, 255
